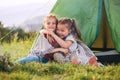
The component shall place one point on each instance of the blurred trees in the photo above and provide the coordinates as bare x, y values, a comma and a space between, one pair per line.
10, 34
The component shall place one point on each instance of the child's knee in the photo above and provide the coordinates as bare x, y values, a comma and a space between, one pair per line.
58, 57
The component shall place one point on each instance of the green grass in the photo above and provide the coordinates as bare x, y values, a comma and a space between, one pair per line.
51, 71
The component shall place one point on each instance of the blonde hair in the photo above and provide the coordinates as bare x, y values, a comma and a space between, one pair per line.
51, 15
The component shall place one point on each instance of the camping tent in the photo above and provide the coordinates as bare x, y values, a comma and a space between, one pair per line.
98, 20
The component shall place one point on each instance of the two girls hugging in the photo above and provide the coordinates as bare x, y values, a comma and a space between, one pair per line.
60, 41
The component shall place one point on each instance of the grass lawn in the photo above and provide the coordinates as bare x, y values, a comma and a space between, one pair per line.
50, 71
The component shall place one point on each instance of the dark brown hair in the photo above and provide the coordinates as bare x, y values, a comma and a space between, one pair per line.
71, 25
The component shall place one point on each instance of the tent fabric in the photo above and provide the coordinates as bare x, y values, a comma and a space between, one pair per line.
87, 14
112, 8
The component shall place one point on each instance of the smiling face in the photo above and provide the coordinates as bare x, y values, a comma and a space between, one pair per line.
62, 30
50, 24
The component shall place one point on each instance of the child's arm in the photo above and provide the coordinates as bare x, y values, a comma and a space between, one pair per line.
64, 44
48, 36
65, 51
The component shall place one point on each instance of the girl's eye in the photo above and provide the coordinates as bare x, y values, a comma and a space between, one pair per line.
53, 23
48, 23
62, 30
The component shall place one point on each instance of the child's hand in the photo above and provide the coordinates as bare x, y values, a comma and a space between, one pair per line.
65, 51
48, 31
42, 31
48, 36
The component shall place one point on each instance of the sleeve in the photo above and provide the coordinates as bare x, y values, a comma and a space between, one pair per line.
42, 44
73, 47
70, 37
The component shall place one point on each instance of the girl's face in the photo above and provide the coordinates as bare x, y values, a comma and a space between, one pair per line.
62, 30
50, 24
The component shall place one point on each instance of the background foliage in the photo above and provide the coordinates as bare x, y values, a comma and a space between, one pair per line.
8, 34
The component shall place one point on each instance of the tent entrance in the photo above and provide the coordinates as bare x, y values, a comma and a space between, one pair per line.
104, 40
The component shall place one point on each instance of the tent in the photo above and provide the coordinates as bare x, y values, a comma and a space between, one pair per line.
98, 20
99, 24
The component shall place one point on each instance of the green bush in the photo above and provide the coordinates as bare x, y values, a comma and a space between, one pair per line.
5, 64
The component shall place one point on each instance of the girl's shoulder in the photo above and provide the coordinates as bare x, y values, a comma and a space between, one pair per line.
70, 37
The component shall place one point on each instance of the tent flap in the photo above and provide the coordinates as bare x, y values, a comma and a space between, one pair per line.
112, 8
